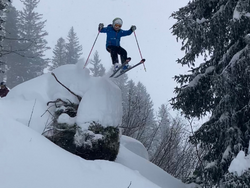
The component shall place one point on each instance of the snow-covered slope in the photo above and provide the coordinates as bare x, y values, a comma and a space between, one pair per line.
135, 146
147, 169
29, 160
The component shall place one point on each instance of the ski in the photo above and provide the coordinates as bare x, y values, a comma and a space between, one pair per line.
119, 68
122, 72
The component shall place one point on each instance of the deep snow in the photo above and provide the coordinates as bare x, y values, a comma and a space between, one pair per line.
29, 160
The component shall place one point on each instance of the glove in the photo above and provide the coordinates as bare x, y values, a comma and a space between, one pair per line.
100, 26
133, 28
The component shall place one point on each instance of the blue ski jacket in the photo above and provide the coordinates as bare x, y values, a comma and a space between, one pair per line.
114, 37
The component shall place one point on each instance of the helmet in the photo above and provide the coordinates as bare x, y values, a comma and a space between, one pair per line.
117, 21
2, 84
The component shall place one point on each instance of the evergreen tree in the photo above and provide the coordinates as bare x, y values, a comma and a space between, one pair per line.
164, 119
3, 5
98, 69
138, 116
10, 41
220, 32
129, 108
33, 42
11, 47
73, 48
59, 57
122, 83
163, 127
232, 180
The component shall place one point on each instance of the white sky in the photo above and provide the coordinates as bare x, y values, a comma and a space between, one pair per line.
157, 44
29, 160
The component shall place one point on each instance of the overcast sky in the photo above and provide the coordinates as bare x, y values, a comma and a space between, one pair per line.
158, 46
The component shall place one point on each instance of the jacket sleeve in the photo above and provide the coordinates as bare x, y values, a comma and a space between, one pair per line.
126, 32
104, 30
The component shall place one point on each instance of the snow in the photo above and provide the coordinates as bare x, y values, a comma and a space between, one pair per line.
234, 59
102, 98
249, 148
196, 79
240, 164
237, 14
226, 153
65, 118
147, 169
210, 165
30, 160
200, 21
134, 146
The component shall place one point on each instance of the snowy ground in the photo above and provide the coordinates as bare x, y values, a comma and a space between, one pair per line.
29, 160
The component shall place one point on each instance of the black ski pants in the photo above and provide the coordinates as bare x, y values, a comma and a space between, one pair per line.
114, 51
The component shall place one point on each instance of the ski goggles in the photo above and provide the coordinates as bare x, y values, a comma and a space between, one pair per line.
118, 25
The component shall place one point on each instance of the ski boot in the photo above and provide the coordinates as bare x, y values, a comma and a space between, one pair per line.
126, 65
116, 67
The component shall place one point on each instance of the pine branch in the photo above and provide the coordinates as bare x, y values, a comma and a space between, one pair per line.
5, 52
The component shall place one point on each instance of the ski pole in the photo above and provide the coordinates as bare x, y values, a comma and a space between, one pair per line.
91, 50
139, 50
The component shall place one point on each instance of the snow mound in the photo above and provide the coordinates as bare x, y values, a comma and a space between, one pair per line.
101, 98
147, 169
135, 146
33, 161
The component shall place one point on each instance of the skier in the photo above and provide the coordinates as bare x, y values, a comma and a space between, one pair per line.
3, 89
114, 34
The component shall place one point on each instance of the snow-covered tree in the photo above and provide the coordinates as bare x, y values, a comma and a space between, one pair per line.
33, 43
232, 180
164, 119
11, 47
219, 32
121, 82
3, 5
59, 57
98, 69
73, 48
10, 40
138, 116
172, 151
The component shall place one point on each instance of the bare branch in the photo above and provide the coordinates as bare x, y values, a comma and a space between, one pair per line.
129, 184
196, 147
32, 113
78, 97
47, 111
56, 101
